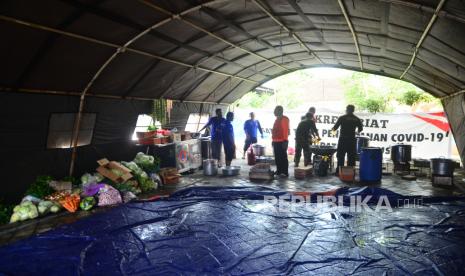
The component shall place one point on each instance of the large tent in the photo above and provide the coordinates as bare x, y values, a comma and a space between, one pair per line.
111, 57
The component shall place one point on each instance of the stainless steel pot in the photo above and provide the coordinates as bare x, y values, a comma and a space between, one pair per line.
362, 142
258, 150
210, 167
401, 153
231, 170
442, 166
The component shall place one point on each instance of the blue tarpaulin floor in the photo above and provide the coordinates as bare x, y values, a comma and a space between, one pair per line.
232, 230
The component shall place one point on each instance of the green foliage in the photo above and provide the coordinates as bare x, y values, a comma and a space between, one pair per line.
288, 93
152, 128
40, 188
413, 97
368, 92
160, 111
5, 212
380, 94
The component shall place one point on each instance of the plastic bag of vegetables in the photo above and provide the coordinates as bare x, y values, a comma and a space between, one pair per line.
88, 178
146, 162
24, 211
109, 196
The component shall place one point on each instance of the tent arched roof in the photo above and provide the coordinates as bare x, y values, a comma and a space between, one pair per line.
217, 50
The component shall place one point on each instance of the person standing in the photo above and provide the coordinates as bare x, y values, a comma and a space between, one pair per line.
304, 132
312, 110
250, 128
216, 125
228, 139
347, 143
280, 136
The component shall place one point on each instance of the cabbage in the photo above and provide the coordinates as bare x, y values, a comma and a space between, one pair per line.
24, 211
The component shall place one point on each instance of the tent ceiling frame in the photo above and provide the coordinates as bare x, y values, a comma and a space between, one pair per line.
423, 36
182, 18
262, 7
442, 13
220, 18
127, 22
352, 30
120, 48
299, 11
78, 94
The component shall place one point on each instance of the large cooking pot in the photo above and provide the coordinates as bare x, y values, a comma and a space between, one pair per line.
231, 170
323, 150
362, 142
442, 166
206, 147
401, 153
258, 150
210, 167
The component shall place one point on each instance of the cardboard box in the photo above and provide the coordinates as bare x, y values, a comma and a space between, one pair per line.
261, 175
103, 162
118, 166
303, 172
106, 172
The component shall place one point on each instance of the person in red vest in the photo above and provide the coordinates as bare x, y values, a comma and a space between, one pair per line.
280, 137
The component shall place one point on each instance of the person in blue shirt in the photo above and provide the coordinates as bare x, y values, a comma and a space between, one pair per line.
250, 127
228, 139
216, 125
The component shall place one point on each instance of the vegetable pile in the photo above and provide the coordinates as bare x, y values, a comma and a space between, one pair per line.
91, 190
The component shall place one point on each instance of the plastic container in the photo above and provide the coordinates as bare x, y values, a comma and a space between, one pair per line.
371, 164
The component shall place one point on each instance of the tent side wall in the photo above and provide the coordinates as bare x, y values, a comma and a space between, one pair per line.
23, 139
25, 125
455, 110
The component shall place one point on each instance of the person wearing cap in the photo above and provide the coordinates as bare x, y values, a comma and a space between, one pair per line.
228, 139
347, 143
216, 125
250, 128
280, 136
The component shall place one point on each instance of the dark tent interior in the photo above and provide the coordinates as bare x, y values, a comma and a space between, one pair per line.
66, 59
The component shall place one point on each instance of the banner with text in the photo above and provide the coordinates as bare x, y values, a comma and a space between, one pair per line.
428, 133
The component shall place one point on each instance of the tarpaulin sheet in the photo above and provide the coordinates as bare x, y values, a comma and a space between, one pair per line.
232, 230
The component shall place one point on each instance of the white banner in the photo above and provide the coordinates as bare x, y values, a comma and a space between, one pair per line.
428, 133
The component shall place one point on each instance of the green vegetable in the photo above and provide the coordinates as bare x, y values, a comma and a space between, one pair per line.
87, 178
26, 210
5, 212
146, 184
40, 188
147, 163
44, 207
55, 208
87, 203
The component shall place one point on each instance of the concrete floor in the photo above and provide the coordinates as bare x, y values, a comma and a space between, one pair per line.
421, 186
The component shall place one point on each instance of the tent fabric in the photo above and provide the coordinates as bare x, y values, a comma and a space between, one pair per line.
387, 31
455, 110
209, 51
233, 230
24, 121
